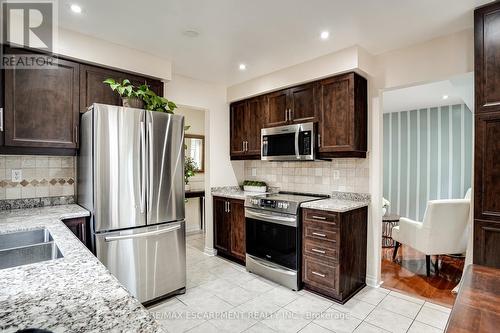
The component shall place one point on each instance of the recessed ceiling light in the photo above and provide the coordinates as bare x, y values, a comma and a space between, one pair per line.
243, 67
325, 35
76, 9
191, 33
445, 96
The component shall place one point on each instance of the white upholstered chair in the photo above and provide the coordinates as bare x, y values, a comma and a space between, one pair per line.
444, 229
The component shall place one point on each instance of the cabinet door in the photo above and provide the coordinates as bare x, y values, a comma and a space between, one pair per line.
237, 214
92, 88
41, 106
221, 225
487, 58
79, 227
302, 103
277, 108
487, 243
337, 117
256, 112
238, 128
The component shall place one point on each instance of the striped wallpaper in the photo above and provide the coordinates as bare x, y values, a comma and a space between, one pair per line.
427, 156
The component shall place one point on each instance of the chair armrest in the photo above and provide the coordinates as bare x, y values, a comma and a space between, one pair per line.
408, 232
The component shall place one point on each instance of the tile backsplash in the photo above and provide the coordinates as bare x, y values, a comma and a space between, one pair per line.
42, 176
344, 175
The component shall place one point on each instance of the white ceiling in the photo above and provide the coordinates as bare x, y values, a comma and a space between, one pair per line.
458, 89
267, 35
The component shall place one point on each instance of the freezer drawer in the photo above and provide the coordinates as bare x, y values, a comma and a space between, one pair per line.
149, 261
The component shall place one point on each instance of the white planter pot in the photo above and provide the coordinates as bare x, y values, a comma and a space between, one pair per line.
257, 189
384, 210
187, 187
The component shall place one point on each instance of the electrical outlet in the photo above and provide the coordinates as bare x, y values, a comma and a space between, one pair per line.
17, 175
254, 172
336, 174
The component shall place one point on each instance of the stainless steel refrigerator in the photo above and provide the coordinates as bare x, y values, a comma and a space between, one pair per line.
131, 179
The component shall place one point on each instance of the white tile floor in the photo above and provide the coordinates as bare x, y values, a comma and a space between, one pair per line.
222, 297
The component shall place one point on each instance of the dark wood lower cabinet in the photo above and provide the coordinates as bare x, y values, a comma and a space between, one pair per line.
229, 228
80, 228
334, 252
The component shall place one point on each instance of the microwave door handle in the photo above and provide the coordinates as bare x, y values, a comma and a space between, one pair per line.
297, 152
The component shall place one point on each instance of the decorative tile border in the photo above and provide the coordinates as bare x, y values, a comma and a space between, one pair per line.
36, 182
36, 202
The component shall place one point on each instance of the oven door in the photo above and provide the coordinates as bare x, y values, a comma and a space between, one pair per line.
273, 237
285, 143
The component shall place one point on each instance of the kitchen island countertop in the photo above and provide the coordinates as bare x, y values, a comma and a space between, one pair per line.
75, 293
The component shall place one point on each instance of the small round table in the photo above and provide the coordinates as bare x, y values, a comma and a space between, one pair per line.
388, 222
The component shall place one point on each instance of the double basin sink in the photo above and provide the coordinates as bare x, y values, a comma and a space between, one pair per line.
27, 247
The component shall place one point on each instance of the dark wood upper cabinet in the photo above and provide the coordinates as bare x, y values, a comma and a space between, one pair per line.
338, 106
93, 90
486, 136
229, 228
293, 105
41, 106
342, 128
302, 104
246, 119
238, 128
487, 58
277, 109
256, 111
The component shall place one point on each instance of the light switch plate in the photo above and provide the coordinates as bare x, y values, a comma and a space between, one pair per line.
17, 175
336, 174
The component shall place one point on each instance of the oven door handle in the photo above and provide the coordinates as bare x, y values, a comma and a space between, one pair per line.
267, 217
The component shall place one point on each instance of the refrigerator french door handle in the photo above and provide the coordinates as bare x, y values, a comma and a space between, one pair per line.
143, 234
143, 166
150, 154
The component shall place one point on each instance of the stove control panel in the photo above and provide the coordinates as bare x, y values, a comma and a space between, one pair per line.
269, 203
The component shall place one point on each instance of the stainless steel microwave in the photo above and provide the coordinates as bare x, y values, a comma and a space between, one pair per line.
288, 143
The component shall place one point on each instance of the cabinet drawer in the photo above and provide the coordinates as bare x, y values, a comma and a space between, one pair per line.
320, 274
321, 231
322, 250
320, 216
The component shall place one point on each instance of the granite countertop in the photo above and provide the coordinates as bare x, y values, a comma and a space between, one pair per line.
232, 192
75, 293
340, 202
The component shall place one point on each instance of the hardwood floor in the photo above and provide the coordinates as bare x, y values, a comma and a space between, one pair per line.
407, 275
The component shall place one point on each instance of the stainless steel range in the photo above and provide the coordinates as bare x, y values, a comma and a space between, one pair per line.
273, 236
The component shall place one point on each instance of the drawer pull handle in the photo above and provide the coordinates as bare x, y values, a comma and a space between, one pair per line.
318, 234
318, 251
318, 274
319, 217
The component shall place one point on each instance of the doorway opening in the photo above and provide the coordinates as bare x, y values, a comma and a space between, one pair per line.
427, 176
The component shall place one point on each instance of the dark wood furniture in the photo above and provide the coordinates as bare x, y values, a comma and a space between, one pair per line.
229, 228
334, 252
388, 222
477, 307
198, 194
246, 121
338, 105
41, 107
80, 228
487, 135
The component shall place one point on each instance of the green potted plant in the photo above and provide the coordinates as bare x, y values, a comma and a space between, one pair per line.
190, 169
254, 186
126, 90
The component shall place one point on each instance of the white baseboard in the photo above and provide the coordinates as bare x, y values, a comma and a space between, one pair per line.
210, 251
373, 281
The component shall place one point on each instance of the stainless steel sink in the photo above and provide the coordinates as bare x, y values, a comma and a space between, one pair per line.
27, 247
